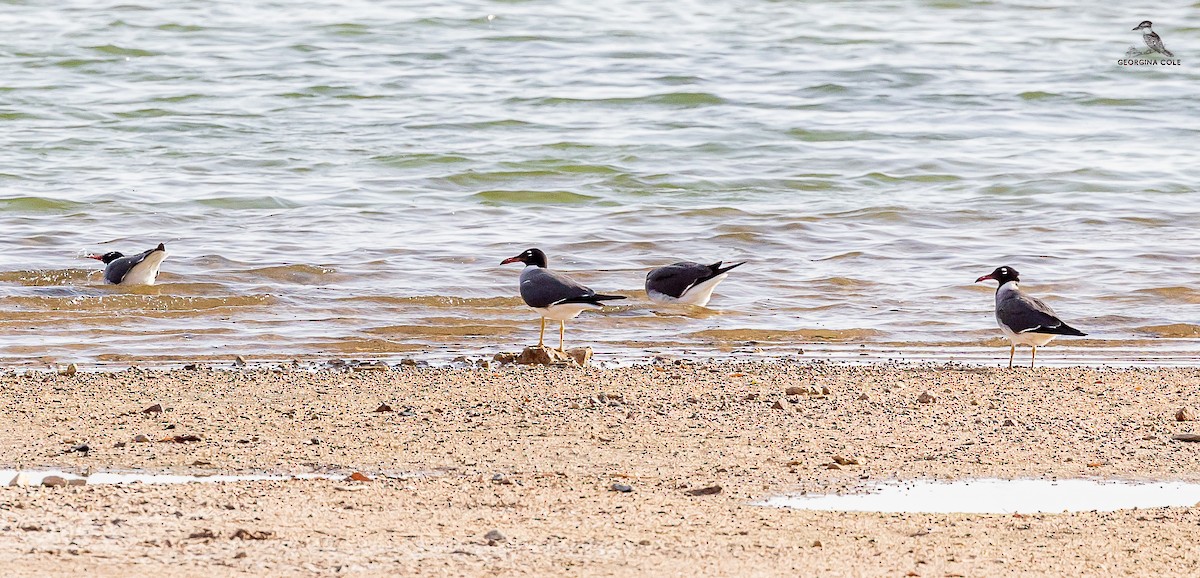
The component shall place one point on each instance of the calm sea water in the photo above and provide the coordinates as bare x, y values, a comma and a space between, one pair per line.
342, 179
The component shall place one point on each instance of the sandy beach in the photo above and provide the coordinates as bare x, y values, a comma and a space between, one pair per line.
533, 453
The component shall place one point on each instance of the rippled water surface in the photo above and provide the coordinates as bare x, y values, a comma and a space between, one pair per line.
342, 179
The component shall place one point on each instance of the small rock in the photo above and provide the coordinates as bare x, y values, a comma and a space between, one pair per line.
1185, 414
494, 536
141, 438
408, 362
54, 481
239, 555
779, 405
77, 482
623, 488
534, 355
81, 448
357, 477
314, 442
156, 408
69, 370
383, 407
845, 461
202, 535
1008, 423
796, 390
505, 358
1186, 437
706, 491
864, 397
582, 356
643, 542
974, 402
825, 391
926, 397
21, 480
816, 544
239, 360
832, 467
243, 534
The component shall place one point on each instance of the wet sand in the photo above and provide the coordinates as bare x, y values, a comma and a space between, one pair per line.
533, 453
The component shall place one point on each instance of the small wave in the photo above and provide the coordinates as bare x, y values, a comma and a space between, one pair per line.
1171, 330
794, 335
680, 99
1181, 294
299, 274
466, 330
121, 51
38, 205
534, 197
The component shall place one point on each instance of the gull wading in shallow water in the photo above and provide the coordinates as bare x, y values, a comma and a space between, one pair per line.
1024, 320
140, 269
553, 295
686, 282
1151, 39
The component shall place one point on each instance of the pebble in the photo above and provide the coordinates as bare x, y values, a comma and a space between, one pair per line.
864, 397
832, 467
623, 488
816, 544
1185, 414
141, 438
383, 407
156, 408
69, 370
846, 461
1008, 423
796, 390
926, 397
705, 491
643, 542
54, 481
1186, 437
779, 405
494, 536
21, 479
239, 360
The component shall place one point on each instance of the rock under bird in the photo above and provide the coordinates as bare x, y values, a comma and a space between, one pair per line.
686, 282
1024, 320
554, 295
140, 269
1152, 39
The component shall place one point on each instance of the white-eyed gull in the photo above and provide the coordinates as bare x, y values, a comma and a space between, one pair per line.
686, 282
1024, 320
553, 295
140, 269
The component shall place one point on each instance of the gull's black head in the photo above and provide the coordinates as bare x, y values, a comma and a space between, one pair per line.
108, 257
1002, 275
529, 257
1144, 24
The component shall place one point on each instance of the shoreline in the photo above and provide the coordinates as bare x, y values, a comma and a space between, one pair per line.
533, 453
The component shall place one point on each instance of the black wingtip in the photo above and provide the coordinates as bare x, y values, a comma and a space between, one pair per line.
607, 297
161, 247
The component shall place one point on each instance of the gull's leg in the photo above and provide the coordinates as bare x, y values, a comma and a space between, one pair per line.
1032, 356
1012, 351
562, 329
542, 335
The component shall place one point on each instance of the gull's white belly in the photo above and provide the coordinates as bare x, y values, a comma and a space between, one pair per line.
1032, 339
564, 311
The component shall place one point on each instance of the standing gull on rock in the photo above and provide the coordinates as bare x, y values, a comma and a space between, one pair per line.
554, 295
686, 282
1024, 320
140, 269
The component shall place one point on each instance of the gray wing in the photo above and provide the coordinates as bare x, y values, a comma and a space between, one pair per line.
543, 288
1025, 314
677, 278
116, 271
1154, 41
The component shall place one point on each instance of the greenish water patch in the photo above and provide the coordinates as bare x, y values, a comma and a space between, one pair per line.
121, 51
1038, 95
38, 205
417, 160
832, 135
679, 99
534, 197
